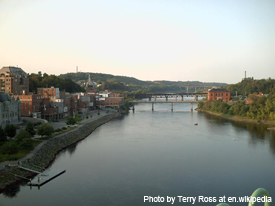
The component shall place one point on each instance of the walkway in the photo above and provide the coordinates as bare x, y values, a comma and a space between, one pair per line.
56, 125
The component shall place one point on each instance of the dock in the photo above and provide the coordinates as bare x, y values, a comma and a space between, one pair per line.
45, 177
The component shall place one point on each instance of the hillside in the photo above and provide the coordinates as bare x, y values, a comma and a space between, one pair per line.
131, 84
249, 85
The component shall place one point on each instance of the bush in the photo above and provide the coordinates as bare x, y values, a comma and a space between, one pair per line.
71, 121
64, 128
9, 148
58, 130
45, 129
30, 129
22, 134
10, 130
3, 135
26, 144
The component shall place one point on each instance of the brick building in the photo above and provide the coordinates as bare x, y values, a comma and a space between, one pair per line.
218, 93
112, 102
30, 104
14, 81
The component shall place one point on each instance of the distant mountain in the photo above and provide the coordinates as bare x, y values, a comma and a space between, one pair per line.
130, 84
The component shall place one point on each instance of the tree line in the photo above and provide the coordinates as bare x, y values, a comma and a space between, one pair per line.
12, 142
249, 85
45, 81
260, 108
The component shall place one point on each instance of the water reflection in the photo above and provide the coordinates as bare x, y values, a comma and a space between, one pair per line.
258, 133
71, 149
12, 191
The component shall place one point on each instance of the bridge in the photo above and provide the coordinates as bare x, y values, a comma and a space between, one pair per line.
167, 96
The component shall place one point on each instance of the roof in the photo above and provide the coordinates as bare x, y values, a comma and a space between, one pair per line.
218, 90
12, 70
4, 97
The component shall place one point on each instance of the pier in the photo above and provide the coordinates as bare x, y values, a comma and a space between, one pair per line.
43, 175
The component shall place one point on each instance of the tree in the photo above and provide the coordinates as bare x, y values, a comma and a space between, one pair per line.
45, 129
9, 148
26, 144
77, 118
22, 134
30, 129
10, 130
3, 135
71, 121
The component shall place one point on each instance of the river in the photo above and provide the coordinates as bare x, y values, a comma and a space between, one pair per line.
159, 153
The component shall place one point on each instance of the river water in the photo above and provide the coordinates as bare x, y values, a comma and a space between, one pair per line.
159, 153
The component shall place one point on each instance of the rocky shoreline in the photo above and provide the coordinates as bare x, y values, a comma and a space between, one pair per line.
47, 153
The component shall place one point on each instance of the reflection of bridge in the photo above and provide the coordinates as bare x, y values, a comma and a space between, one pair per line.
167, 96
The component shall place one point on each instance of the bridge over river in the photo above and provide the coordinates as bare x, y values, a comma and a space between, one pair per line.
175, 96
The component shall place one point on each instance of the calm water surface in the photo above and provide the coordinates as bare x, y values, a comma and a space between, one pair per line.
160, 153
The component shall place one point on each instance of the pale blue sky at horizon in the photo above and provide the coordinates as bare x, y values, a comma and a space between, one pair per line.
176, 40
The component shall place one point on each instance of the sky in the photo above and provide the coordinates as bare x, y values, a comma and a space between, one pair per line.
176, 40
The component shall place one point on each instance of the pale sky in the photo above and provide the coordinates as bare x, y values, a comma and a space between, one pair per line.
177, 40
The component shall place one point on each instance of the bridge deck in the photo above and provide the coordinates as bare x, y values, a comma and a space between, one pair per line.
164, 101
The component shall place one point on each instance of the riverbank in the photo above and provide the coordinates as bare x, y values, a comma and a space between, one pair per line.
239, 119
46, 154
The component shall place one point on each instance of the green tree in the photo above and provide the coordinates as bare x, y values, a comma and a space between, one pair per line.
22, 134
9, 148
45, 129
77, 118
30, 129
26, 144
71, 121
10, 130
3, 135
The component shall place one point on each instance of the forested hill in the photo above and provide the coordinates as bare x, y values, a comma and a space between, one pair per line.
130, 84
249, 86
46, 81
103, 78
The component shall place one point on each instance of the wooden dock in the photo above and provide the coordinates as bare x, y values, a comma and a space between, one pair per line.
45, 177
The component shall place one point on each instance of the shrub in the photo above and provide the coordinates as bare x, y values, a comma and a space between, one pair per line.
22, 134
26, 144
45, 129
10, 130
9, 148
3, 135
30, 129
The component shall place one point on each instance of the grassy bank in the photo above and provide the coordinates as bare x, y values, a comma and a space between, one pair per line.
238, 118
46, 154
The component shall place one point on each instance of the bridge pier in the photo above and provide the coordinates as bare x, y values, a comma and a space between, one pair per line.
133, 107
196, 98
149, 99
152, 106
176, 97
172, 107
191, 106
182, 98
166, 97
